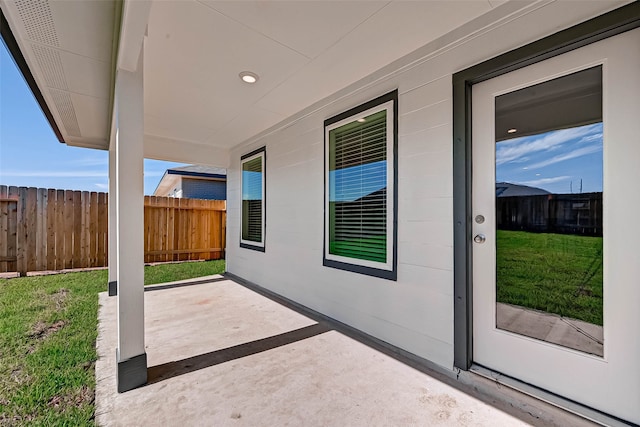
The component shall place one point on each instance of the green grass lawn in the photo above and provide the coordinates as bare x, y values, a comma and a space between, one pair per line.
556, 273
48, 329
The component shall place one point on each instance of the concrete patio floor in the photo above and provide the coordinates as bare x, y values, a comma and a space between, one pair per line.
220, 354
552, 328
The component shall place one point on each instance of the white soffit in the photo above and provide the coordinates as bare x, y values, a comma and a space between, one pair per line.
68, 45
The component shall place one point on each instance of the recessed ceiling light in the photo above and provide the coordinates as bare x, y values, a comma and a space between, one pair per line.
248, 77
362, 120
512, 130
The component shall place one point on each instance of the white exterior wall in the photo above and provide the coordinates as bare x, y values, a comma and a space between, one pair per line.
416, 312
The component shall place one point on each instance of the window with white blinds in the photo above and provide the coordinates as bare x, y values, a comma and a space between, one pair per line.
360, 202
253, 192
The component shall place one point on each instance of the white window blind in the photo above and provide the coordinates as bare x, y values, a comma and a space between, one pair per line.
358, 189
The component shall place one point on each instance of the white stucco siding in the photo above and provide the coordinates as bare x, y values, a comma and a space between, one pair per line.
415, 312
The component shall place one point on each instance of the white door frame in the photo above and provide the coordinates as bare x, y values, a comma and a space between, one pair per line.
599, 28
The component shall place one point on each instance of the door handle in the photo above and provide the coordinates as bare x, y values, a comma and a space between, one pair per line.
479, 238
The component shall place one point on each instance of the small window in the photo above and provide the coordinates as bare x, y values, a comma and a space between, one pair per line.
253, 200
360, 189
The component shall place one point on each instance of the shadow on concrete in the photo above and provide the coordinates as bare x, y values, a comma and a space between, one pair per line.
180, 367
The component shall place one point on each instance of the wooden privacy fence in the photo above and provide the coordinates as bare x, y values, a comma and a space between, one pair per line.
552, 213
183, 229
46, 229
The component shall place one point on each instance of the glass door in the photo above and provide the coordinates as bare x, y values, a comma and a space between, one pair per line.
555, 264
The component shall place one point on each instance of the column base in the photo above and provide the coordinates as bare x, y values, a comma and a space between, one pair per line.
113, 288
131, 373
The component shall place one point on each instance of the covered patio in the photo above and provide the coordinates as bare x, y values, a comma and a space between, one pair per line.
220, 353
391, 264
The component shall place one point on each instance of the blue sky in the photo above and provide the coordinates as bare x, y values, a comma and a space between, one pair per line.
354, 182
555, 161
251, 185
30, 154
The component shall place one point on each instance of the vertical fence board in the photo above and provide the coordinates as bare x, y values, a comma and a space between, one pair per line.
93, 229
43, 228
164, 217
12, 225
223, 233
68, 229
60, 229
101, 230
31, 212
4, 227
147, 229
52, 213
77, 229
171, 217
84, 224
106, 231
37, 255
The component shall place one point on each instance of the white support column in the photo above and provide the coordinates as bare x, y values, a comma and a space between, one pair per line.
113, 223
130, 355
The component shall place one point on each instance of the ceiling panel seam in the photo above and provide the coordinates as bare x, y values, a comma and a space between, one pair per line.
253, 30
374, 13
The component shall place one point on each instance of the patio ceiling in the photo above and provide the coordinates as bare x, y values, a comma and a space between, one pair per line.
302, 51
194, 51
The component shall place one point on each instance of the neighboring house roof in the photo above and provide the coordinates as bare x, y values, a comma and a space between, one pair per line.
199, 171
172, 177
506, 189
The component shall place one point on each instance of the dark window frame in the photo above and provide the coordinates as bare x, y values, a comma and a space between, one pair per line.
262, 151
354, 267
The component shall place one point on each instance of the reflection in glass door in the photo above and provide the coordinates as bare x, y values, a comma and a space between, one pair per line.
549, 234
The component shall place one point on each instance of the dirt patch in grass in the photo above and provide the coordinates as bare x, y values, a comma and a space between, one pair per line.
59, 298
7, 420
42, 330
79, 397
19, 377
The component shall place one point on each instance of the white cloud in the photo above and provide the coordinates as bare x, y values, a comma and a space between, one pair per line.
567, 156
514, 149
544, 181
594, 137
102, 186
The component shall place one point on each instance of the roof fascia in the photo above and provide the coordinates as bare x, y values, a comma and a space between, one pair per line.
165, 183
195, 174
